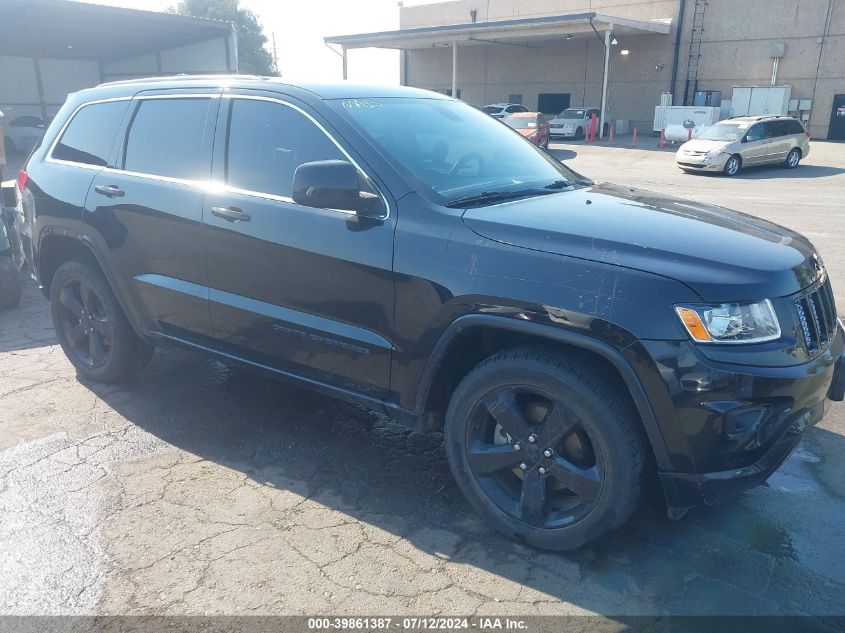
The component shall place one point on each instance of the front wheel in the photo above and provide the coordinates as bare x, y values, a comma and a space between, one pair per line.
545, 448
91, 327
733, 166
579, 134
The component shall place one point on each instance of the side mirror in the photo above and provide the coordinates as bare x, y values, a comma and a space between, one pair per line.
332, 184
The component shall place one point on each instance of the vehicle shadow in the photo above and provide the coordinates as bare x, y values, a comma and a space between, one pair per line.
712, 562
776, 172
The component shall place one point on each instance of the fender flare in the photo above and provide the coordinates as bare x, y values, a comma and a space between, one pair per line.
575, 339
90, 245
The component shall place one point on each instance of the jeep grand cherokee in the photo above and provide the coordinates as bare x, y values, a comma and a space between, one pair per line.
403, 251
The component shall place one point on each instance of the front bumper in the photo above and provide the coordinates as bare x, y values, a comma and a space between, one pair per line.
728, 427
562, 133
701, 163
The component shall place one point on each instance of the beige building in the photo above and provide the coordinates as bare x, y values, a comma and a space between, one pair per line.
552, 53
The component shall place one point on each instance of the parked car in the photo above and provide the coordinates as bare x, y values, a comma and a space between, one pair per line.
733, 144
398, 249
574, 122
502, 110
23, 132
532, 125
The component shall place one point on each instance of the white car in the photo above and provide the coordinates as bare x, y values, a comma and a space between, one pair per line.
574, 122
502, 110
22, 133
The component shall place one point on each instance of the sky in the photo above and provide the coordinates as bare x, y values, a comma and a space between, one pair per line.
300, 27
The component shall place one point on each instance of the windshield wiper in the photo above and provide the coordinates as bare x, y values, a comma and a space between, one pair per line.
493, 196
561, 184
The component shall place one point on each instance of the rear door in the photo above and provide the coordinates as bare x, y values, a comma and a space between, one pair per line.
147, 209
306, 290
778, 141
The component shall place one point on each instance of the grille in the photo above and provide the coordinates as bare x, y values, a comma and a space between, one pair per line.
817, 315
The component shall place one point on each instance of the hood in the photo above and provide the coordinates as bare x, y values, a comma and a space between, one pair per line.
722, 255
702, 146
568, 122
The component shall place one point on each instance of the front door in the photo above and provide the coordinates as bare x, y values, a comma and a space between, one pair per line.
305, 290
836, 131
754, 148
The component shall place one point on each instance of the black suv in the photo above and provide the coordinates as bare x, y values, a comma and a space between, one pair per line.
405, 252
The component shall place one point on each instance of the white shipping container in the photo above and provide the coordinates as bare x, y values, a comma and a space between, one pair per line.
664, 116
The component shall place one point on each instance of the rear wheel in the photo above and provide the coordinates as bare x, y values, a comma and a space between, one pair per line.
793, 158
544, 448
733, 166
91, 327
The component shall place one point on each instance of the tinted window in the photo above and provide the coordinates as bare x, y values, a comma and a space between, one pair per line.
793, 127
167, 138
90, 135
774, 129
755, 133
267, 142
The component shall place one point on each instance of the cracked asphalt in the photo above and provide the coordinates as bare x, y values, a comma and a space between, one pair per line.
200, 488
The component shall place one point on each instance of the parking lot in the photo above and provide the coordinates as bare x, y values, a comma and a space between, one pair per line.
201, 488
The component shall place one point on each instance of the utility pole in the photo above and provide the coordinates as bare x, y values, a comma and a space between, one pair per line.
276, 55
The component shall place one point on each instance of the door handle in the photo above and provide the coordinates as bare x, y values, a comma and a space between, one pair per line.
232, 214
112, 191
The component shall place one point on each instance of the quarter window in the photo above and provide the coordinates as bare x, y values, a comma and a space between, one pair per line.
89, 137
267, 142
168, 138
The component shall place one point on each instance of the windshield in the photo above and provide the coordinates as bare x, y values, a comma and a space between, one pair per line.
724, 132
451, 150
521, 122
573, 113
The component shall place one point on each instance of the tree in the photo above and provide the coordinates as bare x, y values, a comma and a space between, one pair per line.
253, 58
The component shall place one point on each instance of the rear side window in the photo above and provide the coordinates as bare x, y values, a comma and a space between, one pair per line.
267, 142
89, 136
793, 127
167, 138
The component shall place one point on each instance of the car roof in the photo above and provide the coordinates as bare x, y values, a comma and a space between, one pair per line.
524, 115
759, 117
337, 90
500, 105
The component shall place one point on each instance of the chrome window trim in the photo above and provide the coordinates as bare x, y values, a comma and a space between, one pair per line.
203, 184
277, 198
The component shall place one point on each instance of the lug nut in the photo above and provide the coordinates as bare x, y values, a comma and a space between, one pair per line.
547, 452
541, 470
523, 466
516, 447
532, 438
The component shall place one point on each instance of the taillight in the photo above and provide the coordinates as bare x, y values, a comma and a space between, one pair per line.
807, 134
23, 177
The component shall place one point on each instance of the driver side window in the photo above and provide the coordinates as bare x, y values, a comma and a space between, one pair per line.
754, 134
267, 142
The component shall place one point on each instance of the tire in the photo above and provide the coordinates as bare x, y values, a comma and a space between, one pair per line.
733, 166
582, 473
793, 159
10, 284
579, 134
91, 327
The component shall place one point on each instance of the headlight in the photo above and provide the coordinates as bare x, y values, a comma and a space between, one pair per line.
730, 322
